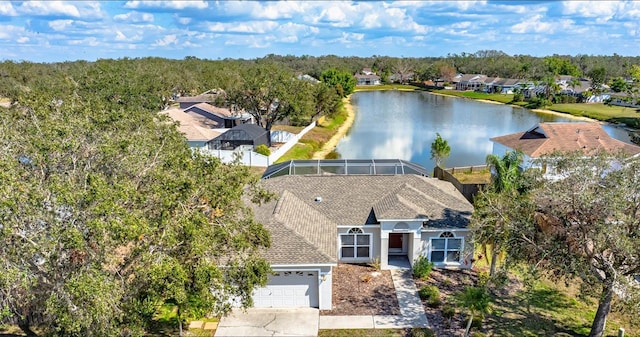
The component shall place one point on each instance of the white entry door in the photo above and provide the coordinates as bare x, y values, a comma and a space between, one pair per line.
288, 289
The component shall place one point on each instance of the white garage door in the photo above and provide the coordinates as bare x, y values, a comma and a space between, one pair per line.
288, 289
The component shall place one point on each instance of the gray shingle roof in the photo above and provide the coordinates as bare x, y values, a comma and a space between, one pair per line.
304, 230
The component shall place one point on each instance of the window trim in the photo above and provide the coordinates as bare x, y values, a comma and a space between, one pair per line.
446, 236
355, 231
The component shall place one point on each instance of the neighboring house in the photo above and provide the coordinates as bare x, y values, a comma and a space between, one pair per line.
209, 96
368, 71
364, 79
196, 128
546, 138
469, 81
624, 99
503, 86
319, 220
247, 136
402, 77
308, 78
223, 117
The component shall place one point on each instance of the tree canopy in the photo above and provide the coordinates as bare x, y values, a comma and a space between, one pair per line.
106, 214
342, 81
440, 150
584, 225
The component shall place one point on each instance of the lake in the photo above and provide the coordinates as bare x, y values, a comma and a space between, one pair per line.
402, 125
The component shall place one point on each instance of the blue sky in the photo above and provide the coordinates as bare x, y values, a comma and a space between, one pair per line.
51, 31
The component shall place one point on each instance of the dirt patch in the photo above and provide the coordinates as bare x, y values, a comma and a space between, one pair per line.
360, 289
449, 282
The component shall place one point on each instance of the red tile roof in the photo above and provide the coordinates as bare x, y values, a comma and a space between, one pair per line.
546, 138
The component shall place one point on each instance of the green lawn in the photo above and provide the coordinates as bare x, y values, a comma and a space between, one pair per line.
552, 306
314, 139
363, 333
501, 98
600, 111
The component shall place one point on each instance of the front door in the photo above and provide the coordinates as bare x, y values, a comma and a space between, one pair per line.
395, 243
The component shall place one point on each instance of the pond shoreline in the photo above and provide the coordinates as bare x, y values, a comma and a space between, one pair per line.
331, 144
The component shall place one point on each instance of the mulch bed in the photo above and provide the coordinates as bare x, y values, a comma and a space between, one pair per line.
449, 282
362, 290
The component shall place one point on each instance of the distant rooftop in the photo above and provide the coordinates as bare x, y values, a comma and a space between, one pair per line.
344, 167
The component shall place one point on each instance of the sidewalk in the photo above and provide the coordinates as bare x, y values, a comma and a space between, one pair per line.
411, 311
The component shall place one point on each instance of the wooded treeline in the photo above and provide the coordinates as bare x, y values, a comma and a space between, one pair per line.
190, 76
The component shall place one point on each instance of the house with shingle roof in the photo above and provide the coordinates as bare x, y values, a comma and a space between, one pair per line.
548, 138
196, 128
320, 220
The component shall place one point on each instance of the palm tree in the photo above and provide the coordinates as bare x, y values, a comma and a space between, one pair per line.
476, 300
440, 150
551, 87
492, 215
505, 171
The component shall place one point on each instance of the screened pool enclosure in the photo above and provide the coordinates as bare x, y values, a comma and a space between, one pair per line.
344, 166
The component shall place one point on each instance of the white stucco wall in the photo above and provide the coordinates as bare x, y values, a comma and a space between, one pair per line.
325, 282
467, 253
413, 235
374, 230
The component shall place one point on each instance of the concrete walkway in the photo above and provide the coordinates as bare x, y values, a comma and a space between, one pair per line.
411, 311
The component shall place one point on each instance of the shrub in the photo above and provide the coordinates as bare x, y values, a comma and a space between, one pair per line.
500, 279
483, 278
332, 155
376, 264
477, 321
422, 267
448, 311
422, 332
431, 295
478, 334
263, 150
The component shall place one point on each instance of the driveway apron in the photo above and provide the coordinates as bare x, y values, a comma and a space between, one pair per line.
270, 322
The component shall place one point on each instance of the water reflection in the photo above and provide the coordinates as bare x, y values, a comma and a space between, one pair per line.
402, 125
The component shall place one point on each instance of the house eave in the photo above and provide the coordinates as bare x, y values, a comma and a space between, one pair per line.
298, 265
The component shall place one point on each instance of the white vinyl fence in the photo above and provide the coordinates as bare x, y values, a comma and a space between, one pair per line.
250, 158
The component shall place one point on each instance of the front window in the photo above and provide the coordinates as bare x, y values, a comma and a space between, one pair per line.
446, 249
355, 244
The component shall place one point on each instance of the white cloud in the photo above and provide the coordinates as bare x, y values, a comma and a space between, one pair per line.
533, 24
250, 41
184, 21
347, 38
333, 14
293, 32
49, 8
134, 17
277, 10
171, 39
8, 32
60, 25
253, 27
6, 9
89, 41
23, 39
462, 25
603, 11
167, 4
120, 36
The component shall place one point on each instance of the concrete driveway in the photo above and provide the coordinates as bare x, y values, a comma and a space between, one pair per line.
270, 322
